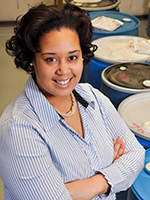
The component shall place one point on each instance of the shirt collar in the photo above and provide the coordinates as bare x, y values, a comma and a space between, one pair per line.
84, 91
80, 99
43, 109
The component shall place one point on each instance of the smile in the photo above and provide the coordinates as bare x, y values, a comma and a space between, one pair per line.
63, 82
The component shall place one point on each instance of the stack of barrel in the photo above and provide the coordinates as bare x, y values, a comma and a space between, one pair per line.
117, 70
122, 74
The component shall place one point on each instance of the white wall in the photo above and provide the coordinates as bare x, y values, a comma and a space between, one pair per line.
11, 9
134, 7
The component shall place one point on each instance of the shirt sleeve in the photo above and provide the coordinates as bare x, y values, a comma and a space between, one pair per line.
122, 173
29, 171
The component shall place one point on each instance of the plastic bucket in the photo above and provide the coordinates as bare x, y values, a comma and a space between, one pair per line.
111, 49
124, 79
96, 5
135, 111
129, 27
141, 185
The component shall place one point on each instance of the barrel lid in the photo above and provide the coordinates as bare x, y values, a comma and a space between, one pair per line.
130, 22
142, 183
147, 167
117, 49
95, 5
129, 75
135, 110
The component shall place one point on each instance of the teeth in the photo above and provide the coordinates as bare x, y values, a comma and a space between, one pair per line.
63, 82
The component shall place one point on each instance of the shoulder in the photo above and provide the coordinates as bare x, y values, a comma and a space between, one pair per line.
18, 110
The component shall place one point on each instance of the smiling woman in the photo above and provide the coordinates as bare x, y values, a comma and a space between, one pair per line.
60, 139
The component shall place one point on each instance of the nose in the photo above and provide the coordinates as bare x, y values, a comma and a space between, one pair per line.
63, 67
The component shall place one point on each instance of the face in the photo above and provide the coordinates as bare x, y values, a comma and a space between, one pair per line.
58, 66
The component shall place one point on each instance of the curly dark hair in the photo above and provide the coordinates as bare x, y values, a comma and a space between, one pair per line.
42, 19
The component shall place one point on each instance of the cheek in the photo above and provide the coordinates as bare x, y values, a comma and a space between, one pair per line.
79, 69
40, 67
44, 72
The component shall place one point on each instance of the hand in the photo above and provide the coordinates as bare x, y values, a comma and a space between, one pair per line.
87, 189
119, 148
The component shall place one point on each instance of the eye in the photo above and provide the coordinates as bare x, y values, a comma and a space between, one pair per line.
72, 58
51, 59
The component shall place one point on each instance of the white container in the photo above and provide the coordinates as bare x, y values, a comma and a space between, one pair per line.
116, 49
135, 111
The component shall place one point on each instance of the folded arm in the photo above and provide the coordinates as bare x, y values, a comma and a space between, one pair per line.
87, 189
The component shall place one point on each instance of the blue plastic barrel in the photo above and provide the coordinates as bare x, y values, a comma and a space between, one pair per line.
129, 27
135, 111
141, 186
111, 50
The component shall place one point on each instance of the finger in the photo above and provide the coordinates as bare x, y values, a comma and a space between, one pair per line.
122, 148
117, 143
114, 141
119, 140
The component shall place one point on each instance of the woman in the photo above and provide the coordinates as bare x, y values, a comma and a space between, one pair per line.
60, 139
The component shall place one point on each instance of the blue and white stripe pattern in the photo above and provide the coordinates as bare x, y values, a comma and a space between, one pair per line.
39, 152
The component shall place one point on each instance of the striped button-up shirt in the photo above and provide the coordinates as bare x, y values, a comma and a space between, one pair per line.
39, 151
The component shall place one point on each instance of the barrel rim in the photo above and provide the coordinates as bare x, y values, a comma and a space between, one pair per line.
102, 8
99, 8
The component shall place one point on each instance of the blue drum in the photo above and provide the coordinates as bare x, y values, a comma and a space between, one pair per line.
129, 27
135, 111
111, 50
141, 186
122, 80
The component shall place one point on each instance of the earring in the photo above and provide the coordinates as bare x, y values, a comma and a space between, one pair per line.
31, 64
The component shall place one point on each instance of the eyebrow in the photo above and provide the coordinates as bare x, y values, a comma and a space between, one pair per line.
50, 53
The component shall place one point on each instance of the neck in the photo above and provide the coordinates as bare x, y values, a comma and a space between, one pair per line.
57, 101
